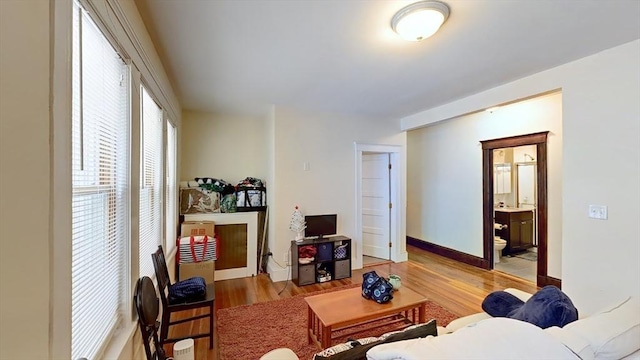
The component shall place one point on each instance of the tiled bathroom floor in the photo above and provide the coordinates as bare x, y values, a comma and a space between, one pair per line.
522, 268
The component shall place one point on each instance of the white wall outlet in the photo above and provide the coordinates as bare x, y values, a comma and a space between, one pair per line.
306, 166
598, 212
286, 258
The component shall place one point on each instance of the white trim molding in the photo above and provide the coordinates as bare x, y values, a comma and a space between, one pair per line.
251, 220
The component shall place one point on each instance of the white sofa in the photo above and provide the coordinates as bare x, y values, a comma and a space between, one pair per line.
613, 333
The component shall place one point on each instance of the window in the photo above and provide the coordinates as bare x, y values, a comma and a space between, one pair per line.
100, 173
172, 194
151, 178
96, 263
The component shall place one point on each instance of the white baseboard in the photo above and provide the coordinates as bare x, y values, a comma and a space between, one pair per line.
402, 257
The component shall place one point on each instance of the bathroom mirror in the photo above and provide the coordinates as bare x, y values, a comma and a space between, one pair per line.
526, 175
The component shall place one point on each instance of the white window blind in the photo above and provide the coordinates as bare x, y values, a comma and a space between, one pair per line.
172, 194
100, 173
151, 179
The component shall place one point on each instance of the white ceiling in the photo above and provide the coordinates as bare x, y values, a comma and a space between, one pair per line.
237, 57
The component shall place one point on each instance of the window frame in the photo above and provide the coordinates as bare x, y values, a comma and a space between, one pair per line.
171, 193
118, 22
88, 174
161, 191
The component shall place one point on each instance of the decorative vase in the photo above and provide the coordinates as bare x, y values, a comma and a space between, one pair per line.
395, 281
299, 236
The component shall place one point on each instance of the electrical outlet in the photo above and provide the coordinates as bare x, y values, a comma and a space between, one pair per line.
598, 212
286, 258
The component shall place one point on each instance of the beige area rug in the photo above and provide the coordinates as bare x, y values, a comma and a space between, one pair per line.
527, 255
249, 331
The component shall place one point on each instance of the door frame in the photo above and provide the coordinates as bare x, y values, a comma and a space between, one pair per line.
540, 140
395, 231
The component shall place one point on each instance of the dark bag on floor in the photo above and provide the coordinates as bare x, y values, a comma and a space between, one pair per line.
187, 290
376, 288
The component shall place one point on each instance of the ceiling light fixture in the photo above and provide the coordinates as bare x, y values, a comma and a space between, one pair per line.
420, 20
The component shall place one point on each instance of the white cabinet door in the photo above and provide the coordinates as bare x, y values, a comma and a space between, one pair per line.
502, 179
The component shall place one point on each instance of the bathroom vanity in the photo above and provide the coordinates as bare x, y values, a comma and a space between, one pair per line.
516, 228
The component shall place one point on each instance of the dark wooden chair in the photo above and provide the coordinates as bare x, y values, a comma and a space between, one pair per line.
162, 275
147, 307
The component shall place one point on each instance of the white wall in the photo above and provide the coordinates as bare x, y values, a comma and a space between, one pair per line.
326, 142
223, 147
600, 165
24, 159
445, 174
520, 152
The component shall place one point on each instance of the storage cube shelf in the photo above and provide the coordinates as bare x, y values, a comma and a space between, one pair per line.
331, 260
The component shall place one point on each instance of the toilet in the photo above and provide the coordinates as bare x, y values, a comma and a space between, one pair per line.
498, 245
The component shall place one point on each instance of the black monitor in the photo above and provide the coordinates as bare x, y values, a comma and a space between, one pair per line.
320, 225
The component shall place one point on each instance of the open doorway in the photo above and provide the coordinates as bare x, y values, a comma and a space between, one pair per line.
539, 140
376, 209
515, 211
377, 194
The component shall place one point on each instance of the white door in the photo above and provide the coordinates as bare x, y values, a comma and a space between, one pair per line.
375, 205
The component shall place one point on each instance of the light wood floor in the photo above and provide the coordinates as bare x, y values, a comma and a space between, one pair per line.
455, 286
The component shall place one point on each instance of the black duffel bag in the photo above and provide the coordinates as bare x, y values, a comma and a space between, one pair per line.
188, 290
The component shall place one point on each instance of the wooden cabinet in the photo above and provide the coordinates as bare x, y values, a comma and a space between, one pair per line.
331, 260
517, 229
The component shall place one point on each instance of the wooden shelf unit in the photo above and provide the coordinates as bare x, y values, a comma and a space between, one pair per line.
325, 259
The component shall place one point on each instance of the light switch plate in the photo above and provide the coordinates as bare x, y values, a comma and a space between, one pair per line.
598, 212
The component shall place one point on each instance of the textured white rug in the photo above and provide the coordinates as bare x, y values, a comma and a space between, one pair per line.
528, 255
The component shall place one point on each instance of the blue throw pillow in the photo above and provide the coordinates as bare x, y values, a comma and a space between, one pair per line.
548, 307
501, 303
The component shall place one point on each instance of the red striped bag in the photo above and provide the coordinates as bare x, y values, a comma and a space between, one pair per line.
192, 249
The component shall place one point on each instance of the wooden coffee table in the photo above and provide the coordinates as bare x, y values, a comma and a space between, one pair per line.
345, 309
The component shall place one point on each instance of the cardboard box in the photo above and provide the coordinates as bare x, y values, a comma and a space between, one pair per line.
189, 228
204, 269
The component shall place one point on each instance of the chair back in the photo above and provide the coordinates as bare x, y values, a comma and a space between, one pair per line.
164, 283
162, 275
147, 307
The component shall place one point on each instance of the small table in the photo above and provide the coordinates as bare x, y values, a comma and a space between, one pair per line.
345, 309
